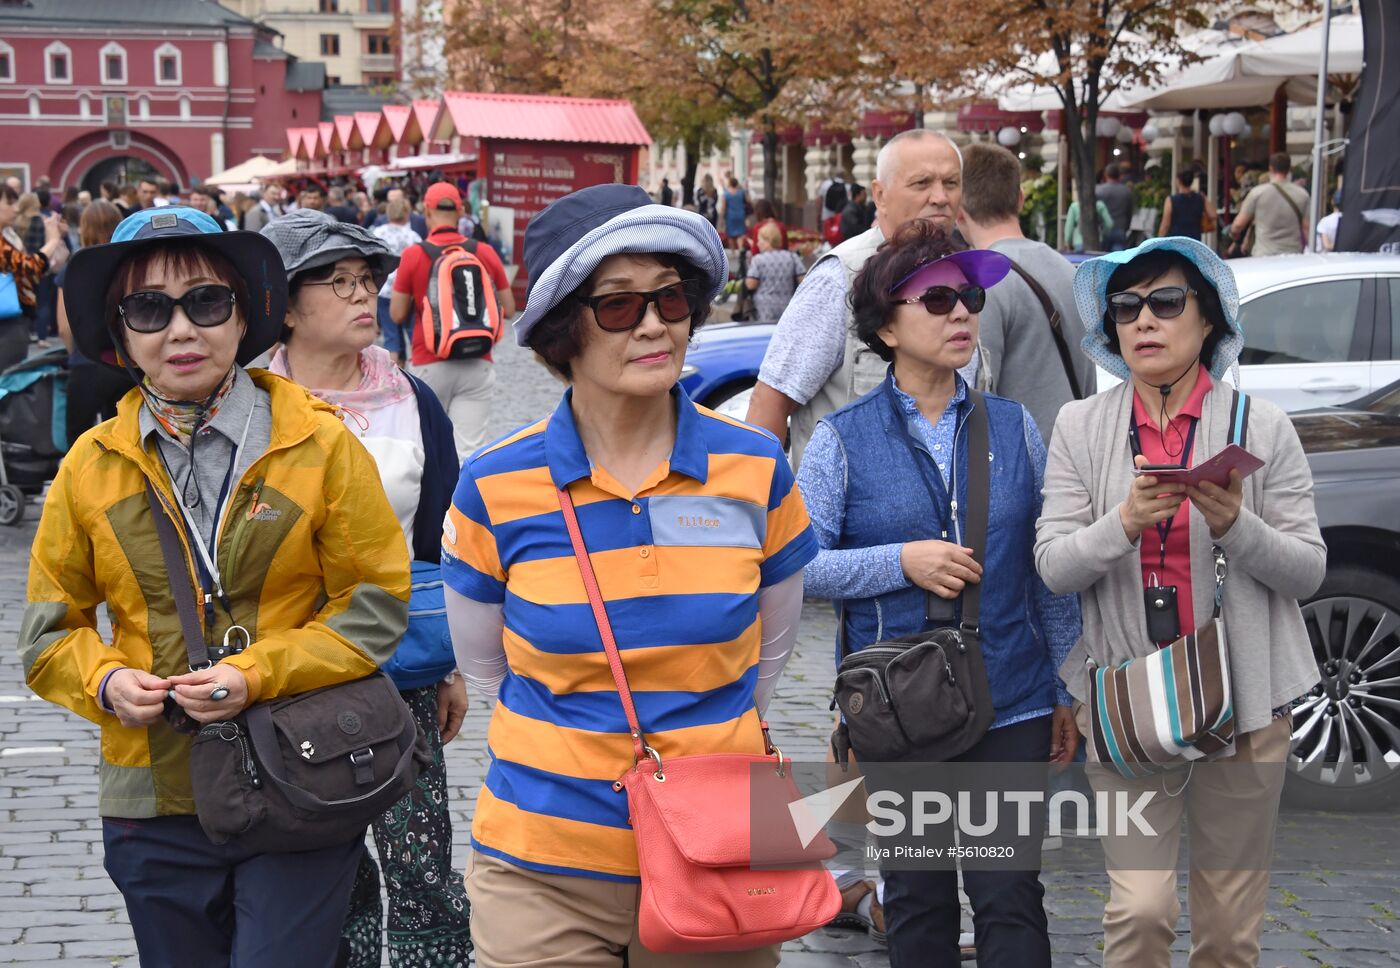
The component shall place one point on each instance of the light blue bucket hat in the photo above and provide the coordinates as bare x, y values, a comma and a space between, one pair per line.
1091, 296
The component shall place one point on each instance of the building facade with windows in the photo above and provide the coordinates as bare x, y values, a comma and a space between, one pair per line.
179, 89
356, 39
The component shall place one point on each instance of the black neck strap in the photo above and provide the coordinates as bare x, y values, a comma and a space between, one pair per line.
979, 496
1164, 528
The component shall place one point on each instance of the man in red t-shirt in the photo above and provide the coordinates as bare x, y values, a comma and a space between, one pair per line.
463, 386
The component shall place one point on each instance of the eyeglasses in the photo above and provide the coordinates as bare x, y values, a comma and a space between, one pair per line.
1166, 303
940, 300
617, 312
343, 285
149, 311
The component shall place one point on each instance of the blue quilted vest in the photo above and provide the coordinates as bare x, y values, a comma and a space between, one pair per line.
890, 475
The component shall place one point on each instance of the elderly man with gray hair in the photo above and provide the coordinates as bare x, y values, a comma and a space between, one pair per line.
814, 365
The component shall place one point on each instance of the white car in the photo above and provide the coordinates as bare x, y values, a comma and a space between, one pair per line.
1319, 329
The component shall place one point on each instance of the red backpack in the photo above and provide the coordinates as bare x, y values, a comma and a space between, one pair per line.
831, 229
461, 319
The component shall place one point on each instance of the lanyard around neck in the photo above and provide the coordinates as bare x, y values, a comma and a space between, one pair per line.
1164, 528
210, 561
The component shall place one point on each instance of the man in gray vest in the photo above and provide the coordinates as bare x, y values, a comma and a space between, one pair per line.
814, 365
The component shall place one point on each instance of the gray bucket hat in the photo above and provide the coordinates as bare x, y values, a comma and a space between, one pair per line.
307, 239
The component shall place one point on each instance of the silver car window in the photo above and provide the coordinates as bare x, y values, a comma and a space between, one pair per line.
1394, 319
1310, 323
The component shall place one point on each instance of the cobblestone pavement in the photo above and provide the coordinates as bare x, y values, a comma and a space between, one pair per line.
57, 904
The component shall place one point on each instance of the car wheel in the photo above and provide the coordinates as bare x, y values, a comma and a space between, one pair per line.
1346, 732
11, 504
732, 400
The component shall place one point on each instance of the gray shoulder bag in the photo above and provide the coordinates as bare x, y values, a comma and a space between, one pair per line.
298, 772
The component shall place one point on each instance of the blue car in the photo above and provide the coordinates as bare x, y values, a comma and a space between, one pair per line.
722, 364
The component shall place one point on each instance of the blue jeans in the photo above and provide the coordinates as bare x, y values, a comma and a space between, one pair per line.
193, 902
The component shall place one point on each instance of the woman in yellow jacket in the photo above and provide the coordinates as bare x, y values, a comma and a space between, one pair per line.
302, 564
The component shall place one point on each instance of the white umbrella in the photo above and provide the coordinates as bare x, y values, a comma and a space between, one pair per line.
1245, 73
257, 166
1024, 96
1295, 54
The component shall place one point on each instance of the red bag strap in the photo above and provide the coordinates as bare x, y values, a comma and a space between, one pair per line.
600, 615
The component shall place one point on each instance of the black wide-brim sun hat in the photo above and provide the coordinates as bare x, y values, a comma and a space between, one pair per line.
254, 258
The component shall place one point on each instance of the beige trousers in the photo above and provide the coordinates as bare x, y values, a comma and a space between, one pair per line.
521, 917
463, 387
1230, 809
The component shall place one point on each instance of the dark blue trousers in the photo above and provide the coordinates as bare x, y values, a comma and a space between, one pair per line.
192, 902
922, 912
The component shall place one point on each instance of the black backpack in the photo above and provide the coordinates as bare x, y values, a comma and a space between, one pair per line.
836, 197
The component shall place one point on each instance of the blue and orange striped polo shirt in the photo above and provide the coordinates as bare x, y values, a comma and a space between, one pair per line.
679, 563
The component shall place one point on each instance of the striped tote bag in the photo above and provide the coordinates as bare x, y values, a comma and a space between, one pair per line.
1174, 706
1168, 708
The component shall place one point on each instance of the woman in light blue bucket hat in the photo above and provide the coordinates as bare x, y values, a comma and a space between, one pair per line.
1165, 318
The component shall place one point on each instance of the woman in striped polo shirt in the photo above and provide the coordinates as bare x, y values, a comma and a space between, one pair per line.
698, 537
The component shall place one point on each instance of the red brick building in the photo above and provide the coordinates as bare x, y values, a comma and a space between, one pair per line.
109, 89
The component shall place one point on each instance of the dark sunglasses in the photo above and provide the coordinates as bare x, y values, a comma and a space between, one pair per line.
940, 300
1166, 303
617, 312
149, 311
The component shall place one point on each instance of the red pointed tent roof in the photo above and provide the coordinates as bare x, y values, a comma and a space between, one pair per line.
425, 116
325, 131
345, 137
367, 127
395, 123
307, 148
293, 141
534, 117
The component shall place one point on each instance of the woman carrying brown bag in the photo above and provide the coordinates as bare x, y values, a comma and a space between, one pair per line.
298, 563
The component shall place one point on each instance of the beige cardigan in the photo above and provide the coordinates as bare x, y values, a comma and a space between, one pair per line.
1275, 549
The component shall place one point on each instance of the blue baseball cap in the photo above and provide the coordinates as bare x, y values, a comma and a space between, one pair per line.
254, 258
1091, 296
565, 243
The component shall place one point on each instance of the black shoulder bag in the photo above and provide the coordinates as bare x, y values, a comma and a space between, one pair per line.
924, 697
1056, 329
298, 772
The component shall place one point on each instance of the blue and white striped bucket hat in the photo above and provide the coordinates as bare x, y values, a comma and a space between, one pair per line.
565, 243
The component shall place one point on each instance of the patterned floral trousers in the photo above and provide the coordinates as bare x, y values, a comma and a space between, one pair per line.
429, 916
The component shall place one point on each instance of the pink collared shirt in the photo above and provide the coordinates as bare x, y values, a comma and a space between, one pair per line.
1160, 449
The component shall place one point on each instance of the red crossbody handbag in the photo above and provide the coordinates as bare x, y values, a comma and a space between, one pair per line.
694, 817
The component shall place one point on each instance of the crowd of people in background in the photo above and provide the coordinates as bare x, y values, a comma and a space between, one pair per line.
42, 226
923, 304
1263, 219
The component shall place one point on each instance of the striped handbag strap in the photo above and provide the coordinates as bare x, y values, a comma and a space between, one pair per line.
1239, 432
1239, 416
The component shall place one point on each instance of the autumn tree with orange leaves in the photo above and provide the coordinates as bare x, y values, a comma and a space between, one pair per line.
1084, 50
689, 63
515, 46
690, 66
